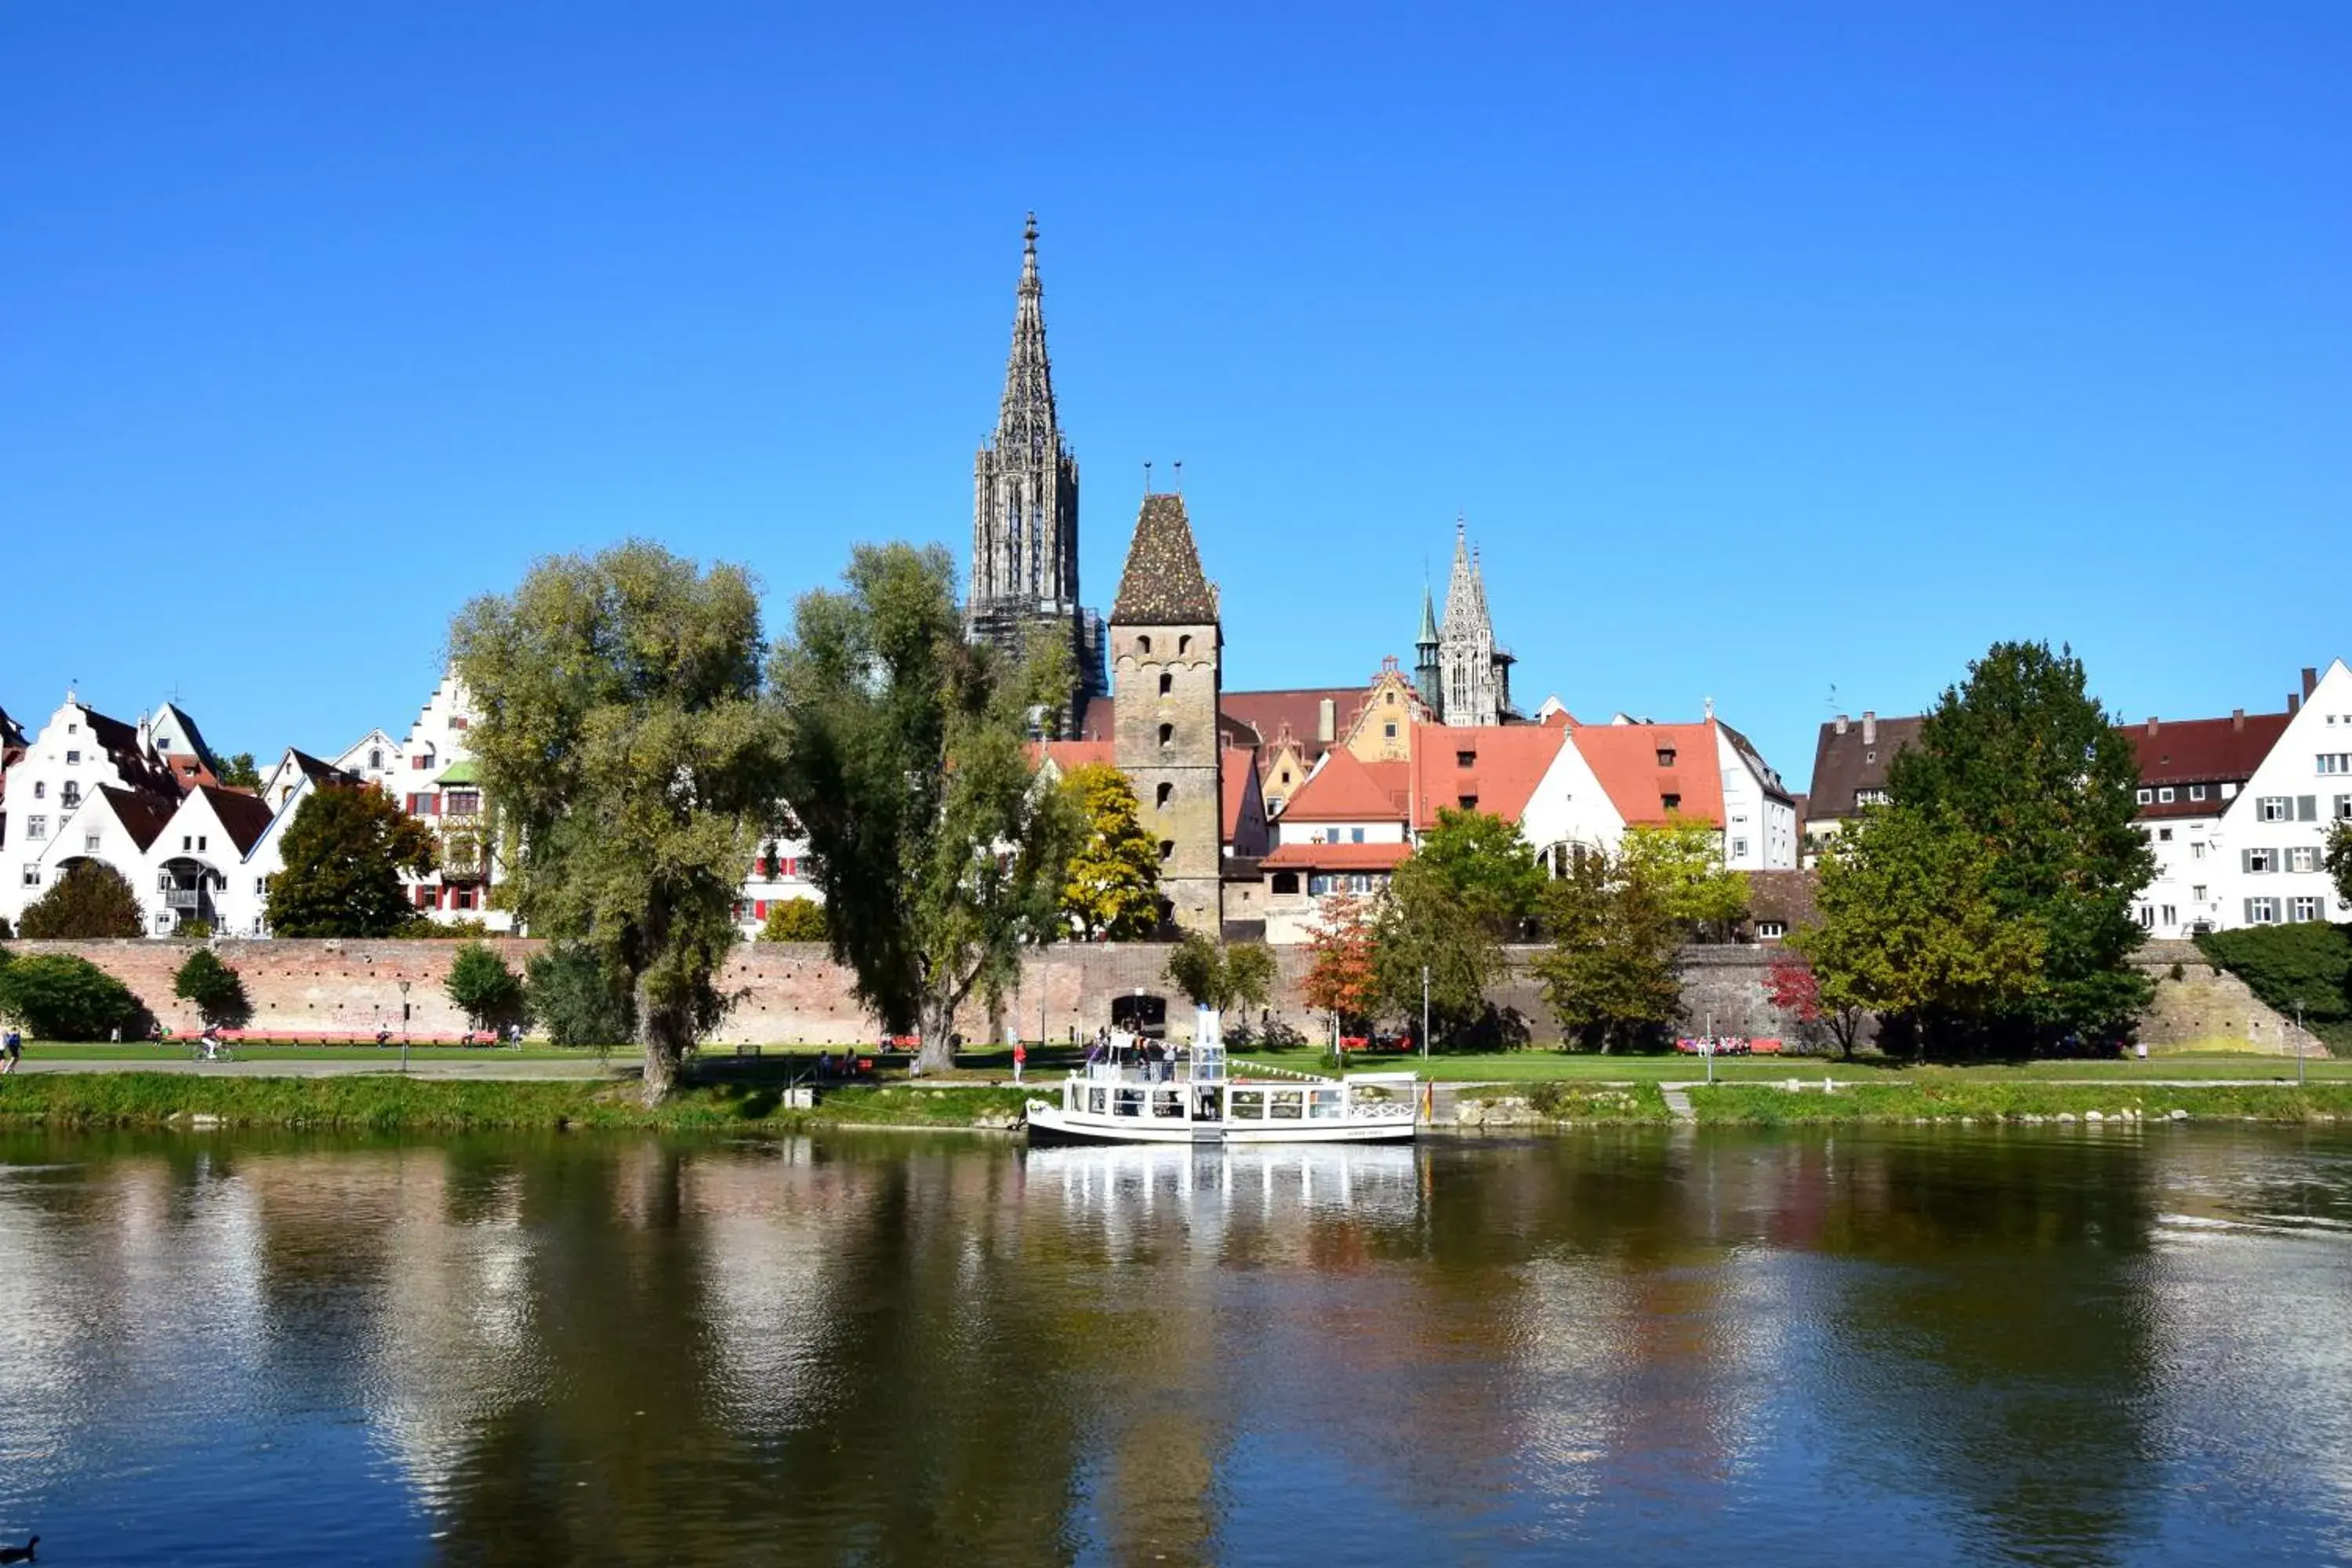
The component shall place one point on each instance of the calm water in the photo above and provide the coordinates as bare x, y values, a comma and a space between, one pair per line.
2061, 1347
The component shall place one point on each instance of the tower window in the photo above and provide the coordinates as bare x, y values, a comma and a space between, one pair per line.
1165, 794
1143, 644
1671, 802
1184, 643
1166, 850
1465, 759
1167, 683
1167, 736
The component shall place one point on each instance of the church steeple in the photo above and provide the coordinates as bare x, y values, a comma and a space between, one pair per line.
1024, 517
1424, 661
1473, 676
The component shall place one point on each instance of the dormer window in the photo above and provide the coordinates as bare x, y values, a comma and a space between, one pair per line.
1671, 802
1465, 759
1666, 756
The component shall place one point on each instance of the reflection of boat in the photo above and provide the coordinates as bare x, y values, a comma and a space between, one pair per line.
1128, 1097
1365, 1179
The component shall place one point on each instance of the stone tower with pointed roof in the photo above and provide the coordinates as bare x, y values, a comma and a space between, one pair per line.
1474, 674
1025, 510
1426, 677
1167, 662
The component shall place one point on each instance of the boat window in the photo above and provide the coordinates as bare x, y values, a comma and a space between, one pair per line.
1094, 1101
1284, 1104
1129, 1102
1249, 1105
1327, 1105
1168, 1102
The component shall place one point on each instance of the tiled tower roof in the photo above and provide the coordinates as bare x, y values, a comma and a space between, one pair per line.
1163, 584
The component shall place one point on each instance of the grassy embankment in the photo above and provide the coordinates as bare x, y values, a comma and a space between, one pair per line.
1542, 1065
390, 1103
1947, 1100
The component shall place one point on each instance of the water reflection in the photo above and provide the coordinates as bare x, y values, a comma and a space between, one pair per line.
2039, 1348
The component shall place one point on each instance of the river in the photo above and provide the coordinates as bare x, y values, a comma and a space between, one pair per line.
2045, 1345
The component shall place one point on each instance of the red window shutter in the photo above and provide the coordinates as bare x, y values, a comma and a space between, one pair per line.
760, 909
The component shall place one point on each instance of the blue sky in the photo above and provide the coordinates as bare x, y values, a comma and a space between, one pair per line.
1767, 351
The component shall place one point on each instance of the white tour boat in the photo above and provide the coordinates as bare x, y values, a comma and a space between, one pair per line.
1189, 1097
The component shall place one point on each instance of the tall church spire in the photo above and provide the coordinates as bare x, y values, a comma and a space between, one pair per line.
1474, 676
1025, 515
1425, 678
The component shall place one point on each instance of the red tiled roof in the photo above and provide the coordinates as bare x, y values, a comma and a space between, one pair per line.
1625, 758
1069, 754
2179, 750
1264, 713
144, 816
1236, 777
1345, 790
1336, 857
1507, 761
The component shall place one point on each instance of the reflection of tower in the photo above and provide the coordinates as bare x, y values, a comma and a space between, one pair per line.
1024, 519
1165, 641
1473, 674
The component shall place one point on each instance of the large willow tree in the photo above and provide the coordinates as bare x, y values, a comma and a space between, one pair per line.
632, 763
938, 851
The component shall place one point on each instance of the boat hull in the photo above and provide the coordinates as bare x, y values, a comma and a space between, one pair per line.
1048, 1123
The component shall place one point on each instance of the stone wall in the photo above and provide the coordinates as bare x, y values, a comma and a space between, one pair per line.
792, 993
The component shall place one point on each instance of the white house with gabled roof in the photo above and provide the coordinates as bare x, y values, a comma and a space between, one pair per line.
2269, 849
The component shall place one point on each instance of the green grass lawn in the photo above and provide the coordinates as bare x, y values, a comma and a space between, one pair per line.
1542, 1065
134, 1054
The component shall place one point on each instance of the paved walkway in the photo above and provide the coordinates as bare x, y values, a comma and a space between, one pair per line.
490, 1070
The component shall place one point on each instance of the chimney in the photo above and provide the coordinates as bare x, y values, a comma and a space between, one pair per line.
1869, 728
1325, 720
2237, 721
2151, 723
2293, 702
2310, 679
1841, 723
146, 737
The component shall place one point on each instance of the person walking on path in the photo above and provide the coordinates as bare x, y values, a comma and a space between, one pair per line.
12, 1051
1020, 1060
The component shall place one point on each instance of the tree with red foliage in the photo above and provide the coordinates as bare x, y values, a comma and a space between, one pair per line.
1341, 978
1793, 987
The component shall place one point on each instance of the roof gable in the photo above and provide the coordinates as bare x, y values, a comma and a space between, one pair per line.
1343, 789
143, 816
1625, 758
1505, 762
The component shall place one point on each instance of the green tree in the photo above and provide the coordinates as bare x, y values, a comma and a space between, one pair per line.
343, 857
1480, 862
2021, 759
1214, 975
577, 1002
214, 989
1428, 924
2305, 966
1682, 860
2338, 862
90, 901
481, 983
796, 920
6, 931
1612, 974
623, 733
1912, 929
937, 852
1111, 892
59, 996
240, 772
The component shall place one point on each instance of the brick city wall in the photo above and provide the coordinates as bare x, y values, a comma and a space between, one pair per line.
792, 993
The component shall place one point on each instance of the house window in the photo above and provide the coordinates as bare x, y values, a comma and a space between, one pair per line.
32, 875
36, 828
2171, 916
1162, 796
2303, 910
187, 842
200, 843
1862, 797
2197, 894
458, 722
69, 796
2147, 796
2164, 795
1167, 736
2305, 859
1770, 930
1387, 731
40, 791
1467, 802
2336, 762
2197, 791
463, 898
2164, 835
2196, 849
72, 758
2261, 912
462, 803
89, 843
1355, 835
2145, 915
1286, 881
260, 886
2274, 808
2343, 812
1465, 759
1666, 756
375, 758
1671, 802
1738, 848
2259, 862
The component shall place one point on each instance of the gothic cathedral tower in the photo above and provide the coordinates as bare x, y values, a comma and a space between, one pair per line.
1167, 654
1025, 510
1473, 674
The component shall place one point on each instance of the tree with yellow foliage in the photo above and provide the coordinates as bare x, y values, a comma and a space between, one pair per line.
1111, 892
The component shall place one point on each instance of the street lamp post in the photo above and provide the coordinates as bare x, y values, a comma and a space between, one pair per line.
2298, 1042
1424, 1012
404, 1026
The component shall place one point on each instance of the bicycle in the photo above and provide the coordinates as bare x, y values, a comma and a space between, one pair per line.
203, 1049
